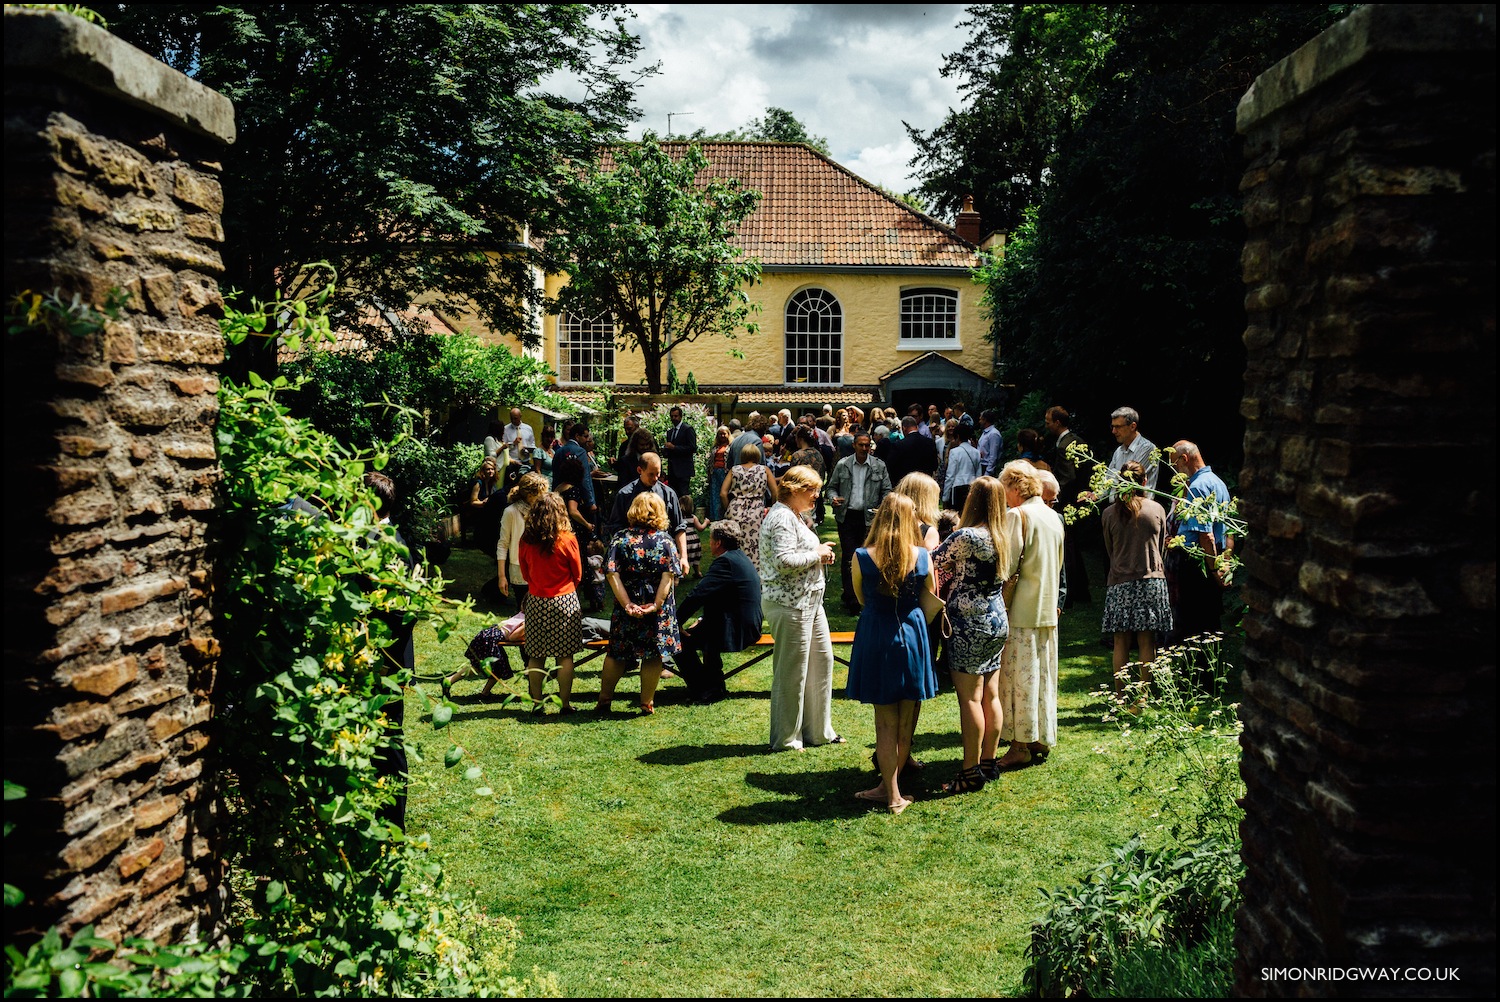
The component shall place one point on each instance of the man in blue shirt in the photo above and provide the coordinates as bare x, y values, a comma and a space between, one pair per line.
1199, 585
577, 445
991, 444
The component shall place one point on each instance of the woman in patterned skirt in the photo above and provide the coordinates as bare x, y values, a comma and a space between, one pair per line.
641, 569
973, 564
1136, 606
552, 567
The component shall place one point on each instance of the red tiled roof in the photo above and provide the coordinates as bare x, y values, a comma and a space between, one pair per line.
814, 212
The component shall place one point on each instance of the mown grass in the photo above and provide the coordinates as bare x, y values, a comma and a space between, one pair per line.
674, 855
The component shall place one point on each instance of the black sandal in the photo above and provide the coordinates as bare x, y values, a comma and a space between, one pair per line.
989, 768
969, 780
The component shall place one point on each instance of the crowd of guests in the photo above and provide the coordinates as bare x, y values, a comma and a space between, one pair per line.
955, 560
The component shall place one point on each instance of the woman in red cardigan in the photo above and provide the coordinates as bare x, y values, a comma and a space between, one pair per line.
551, 564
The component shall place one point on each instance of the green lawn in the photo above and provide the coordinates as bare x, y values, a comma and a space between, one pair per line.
674, 855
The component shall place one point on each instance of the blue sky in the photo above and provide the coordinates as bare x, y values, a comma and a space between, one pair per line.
851, 73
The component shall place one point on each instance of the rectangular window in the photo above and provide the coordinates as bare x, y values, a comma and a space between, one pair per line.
586, 349
929, 318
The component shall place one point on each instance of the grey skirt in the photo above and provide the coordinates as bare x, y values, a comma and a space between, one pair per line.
1137, 607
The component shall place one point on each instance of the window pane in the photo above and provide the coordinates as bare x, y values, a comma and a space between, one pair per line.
929, 315
814, 339
586, 349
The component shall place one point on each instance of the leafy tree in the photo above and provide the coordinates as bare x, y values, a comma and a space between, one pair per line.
777, 125
407, 144
1121, 284
650, 242
1028, 73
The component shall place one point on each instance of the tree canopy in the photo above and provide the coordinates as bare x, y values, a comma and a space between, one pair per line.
408, 144
1121, 281
777, 125
648, 241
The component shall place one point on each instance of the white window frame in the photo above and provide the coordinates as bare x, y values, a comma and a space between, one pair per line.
920, 293
825, 312
598, 333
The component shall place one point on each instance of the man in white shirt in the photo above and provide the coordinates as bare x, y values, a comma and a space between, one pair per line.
856, 487
517, 436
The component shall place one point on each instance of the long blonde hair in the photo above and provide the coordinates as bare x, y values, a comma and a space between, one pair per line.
892, 540
986, 507
923, 491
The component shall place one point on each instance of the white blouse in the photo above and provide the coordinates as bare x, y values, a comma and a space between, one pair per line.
791, 568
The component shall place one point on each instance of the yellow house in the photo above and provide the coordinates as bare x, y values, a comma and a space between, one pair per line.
863, 300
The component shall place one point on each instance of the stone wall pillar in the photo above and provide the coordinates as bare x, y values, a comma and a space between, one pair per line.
1369, 480
111, 191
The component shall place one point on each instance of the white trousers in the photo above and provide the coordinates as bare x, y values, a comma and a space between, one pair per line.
1028, 686
802, 677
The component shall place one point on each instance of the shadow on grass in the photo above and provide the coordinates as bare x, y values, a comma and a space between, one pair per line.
818, 796
692, 754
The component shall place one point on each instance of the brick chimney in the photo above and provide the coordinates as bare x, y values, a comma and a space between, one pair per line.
967, 223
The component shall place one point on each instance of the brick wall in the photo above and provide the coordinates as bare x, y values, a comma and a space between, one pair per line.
1369, 478
111, 184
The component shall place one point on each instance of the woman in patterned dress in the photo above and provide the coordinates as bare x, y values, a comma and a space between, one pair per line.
744, 496
641, 569
552, 567
973, 564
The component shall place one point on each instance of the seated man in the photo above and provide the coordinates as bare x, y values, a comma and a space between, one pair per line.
729, 598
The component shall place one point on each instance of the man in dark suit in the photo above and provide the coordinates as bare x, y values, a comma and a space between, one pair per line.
680, 450
915, 453
729, 598
1071, 481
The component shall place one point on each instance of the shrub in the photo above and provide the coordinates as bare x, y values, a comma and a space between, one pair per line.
659, 418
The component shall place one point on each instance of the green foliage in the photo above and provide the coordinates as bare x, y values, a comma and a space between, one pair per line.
414, 146
335, 898
648, 241
1028, 73
399, 398
29, 311
76, 9
1141, 915
1137, 923
659, 418
777, 125
1181, 747
1116, 123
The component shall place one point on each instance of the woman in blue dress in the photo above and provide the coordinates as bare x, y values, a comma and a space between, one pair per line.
972, 566
891, 665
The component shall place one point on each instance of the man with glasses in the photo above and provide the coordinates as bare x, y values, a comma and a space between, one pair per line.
1133, 446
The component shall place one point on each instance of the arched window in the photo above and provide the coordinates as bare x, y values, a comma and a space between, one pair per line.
814, 339
586, 349
929, 318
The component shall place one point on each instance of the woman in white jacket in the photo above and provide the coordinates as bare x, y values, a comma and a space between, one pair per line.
1028, 668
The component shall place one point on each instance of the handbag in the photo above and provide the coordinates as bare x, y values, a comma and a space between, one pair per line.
932, 606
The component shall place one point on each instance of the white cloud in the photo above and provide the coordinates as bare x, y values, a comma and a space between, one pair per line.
850, 73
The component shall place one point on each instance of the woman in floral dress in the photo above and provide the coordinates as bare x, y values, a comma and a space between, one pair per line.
973, 565
744, 495
641, 569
